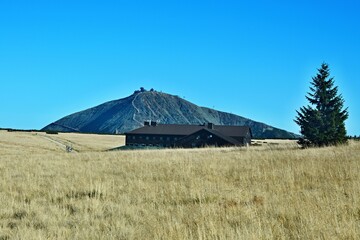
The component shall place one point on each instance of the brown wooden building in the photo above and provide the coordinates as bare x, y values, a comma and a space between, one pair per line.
188, 136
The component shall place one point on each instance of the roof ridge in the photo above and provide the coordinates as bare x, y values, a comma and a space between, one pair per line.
226, 137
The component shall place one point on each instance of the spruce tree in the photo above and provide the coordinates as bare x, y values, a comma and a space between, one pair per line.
322, 123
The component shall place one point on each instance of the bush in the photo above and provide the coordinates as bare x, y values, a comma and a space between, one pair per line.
51, 132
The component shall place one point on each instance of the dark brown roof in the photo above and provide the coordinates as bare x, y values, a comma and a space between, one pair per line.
219, 134
233, 131
184, 130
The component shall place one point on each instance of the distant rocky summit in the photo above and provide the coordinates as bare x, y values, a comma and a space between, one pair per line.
129, 113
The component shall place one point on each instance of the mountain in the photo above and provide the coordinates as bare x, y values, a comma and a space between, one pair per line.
128, 113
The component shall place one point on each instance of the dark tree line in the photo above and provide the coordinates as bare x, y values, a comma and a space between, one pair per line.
354, 137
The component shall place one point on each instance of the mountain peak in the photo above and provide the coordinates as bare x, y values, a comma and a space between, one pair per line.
128, 113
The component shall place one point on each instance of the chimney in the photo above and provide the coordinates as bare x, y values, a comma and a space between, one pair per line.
153, 123
210, 126
146, 123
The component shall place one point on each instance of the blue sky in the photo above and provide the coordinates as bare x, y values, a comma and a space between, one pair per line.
252, 58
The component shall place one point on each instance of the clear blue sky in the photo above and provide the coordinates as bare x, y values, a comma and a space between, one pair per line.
252, 58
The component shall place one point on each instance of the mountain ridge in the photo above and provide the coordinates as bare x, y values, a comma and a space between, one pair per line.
125, 114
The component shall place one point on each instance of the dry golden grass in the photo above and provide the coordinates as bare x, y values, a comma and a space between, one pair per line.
272, 192
89, 142
40, 142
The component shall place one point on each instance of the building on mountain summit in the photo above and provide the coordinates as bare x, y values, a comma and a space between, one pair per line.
188, 136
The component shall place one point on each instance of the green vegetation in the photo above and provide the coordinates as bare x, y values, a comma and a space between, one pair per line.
323, 124
51, 132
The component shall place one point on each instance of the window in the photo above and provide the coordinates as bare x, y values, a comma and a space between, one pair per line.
134, 137
168, 139
147, 138
161, 138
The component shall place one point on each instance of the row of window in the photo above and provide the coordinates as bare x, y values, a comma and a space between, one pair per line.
148, 145
155, 138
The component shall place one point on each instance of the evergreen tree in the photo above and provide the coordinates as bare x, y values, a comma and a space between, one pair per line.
322, 123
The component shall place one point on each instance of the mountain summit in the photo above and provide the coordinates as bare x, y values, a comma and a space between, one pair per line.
128, 113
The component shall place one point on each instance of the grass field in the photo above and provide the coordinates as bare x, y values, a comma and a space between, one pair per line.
272, 191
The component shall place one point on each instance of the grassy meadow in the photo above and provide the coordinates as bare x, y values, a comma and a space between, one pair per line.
270, 191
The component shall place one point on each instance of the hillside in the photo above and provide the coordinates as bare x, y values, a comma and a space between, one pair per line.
128, 113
